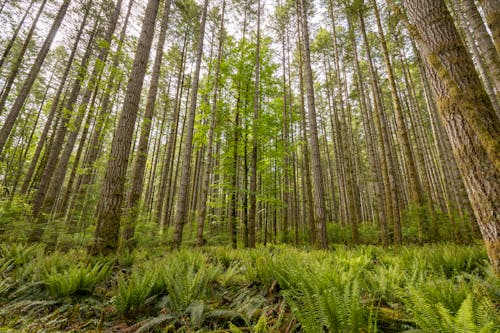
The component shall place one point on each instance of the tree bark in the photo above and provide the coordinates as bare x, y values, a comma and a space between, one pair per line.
95, 77
416, 190
391, 189
202, 208
182, 204
466, 112
60, 131
167, 169
317, 171
111, 197
95, 141
491, 9
255, 143
137, 182
484, 41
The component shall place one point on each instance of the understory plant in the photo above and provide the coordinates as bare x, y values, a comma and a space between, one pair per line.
435, 288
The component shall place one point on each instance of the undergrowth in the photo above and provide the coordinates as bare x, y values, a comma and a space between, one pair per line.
435, 288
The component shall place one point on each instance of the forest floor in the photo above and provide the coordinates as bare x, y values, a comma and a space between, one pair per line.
438, 288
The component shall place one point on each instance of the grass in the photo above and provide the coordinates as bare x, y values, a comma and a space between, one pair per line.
435, 288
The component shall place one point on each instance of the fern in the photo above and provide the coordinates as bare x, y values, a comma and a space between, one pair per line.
132, 294
150, 323
475, 314
78, 279
187, 281
248, 303
261, 326
323, 294
20, 254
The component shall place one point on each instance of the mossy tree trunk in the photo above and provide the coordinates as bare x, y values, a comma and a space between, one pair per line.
466, 112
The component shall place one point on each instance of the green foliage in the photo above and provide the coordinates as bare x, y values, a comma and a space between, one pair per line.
19, 253
13, 216
322, 293
78, 279
187, 278
475, 314
5, 281
436, 288
134, 294
438, 225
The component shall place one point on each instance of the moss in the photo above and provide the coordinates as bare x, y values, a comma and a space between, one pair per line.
474, 109
493, 250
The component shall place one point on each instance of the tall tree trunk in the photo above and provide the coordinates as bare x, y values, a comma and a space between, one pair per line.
386, 156
202, 207
481, 66
491, 9
54, 109
62, 205
253, 162
47, 191
95, 142
317, 171
93, 82
182, 204
467, 114
307, 187
377, 176
484, 41
111, 197
233, 197
167, 169
287, 195
28, 144
416, 190
137, 182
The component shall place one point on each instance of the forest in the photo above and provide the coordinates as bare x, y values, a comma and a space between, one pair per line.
250, 166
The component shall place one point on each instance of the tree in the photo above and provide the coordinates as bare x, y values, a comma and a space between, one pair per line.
202, 207
491, 10
111, 197
103, 116
182, 204
19, 58
255, 143
32, 75
466, 112
416, 190
317, 170
13, 38
142, 150
387, 159
484, 41
46, 194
